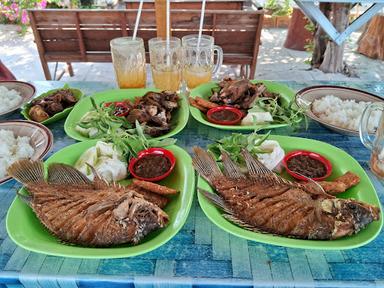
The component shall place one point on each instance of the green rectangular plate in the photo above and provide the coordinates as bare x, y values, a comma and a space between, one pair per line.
25, 110
204, 91
341, 162
179, 117
26, 230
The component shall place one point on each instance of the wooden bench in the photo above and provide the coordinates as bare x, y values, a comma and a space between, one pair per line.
191, 4
84, 35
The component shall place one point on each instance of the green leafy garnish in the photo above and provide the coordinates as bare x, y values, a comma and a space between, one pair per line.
101, 121
129, 144
235, 143
281, 114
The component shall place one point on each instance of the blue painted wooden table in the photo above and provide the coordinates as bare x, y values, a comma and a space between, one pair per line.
200, 254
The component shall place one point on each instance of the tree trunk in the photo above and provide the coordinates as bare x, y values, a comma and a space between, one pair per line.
371, 42
333, 56
365, 28
297, 35
320, 39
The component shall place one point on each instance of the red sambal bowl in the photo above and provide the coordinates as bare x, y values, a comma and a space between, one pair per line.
152, 151
236, 112
313, 155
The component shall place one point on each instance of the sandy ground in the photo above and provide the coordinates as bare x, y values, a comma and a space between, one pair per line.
275, 62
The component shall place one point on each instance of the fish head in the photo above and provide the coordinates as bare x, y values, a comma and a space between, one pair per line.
144, 214
352, 216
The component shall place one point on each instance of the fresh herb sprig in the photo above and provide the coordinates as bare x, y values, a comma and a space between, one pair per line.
281, 114
130, 143
103, 119
235, 143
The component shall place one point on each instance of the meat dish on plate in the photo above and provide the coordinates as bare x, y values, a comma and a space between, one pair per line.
43, 108
91, 213
153, 111
254, 103
259, 200
85, 205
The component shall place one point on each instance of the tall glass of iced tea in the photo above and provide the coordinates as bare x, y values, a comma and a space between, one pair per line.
128, 57
374, 142
166, 63
198, 60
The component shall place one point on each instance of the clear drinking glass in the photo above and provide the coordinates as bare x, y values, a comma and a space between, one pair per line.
128, 57
199, 63
374, 143
166, 63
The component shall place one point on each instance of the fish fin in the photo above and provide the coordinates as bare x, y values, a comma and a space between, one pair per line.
64, 174
242, 224
317, 188
231, 170
27, 172
205, 165
237, 221
26, 198
257, 170
98, 182
215, 199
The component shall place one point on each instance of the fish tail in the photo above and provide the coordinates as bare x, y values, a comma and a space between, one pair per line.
26, 171
205, 165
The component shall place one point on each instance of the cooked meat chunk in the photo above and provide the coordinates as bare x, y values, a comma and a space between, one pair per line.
238, 93
52, 104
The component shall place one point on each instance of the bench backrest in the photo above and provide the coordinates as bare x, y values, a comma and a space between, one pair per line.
84, 35
191, 4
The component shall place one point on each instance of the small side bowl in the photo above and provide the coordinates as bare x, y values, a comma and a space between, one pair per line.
313, 155
26, 90
211, 111
153, 151
41, 138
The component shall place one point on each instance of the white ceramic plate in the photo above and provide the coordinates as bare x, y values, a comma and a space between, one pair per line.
26, 90
41, 137
305, 97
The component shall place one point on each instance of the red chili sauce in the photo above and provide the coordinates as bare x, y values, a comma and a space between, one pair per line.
307, 166
224, 115
151, 166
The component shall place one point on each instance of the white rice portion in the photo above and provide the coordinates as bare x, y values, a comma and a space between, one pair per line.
12, 149
9, 99
344, 113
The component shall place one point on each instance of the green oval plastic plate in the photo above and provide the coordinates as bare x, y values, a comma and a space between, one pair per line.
205, 91
341, 162
179, 117
76, 92
25, 229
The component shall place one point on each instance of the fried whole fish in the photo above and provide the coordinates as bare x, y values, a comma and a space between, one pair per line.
84, 212
264, 202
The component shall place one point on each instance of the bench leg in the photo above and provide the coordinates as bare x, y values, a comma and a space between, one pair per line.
67, 69
55, 72
45, 66
70, 69
244, 71
252, 71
